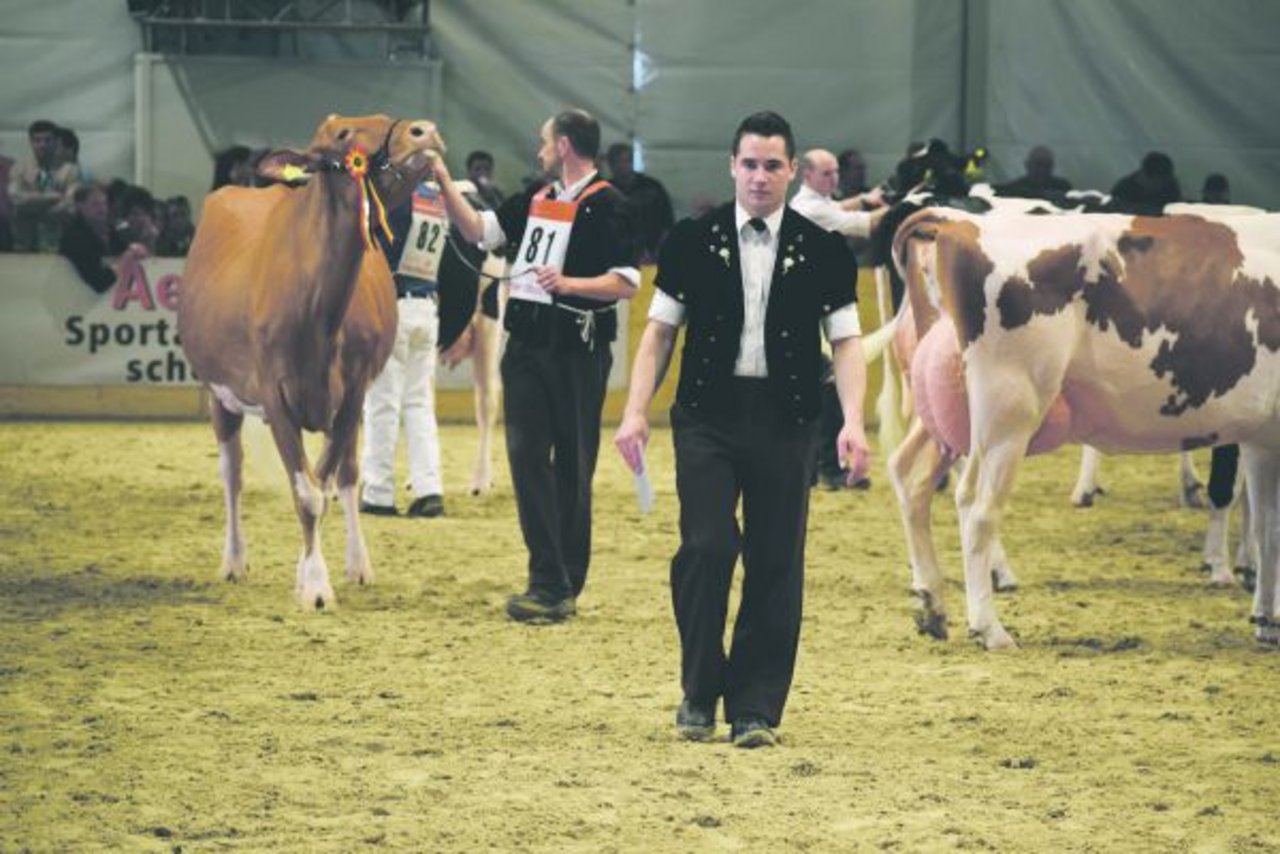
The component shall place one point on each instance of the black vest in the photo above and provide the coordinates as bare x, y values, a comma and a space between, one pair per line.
603, 238
814, 274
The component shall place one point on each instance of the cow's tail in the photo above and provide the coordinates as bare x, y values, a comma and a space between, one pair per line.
920, 226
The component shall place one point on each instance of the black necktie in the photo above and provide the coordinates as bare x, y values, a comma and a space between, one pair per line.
758, 224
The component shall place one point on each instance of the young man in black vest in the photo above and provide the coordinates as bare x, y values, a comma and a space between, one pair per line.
753, 282
576, 260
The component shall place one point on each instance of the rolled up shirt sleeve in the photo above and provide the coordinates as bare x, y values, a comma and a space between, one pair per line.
841, 323
493, 236
666, 309
631, 274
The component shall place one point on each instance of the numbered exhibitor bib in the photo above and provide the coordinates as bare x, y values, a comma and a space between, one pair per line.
425, 246
545, 242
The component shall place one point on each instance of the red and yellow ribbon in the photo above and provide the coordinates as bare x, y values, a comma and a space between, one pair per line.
357, 163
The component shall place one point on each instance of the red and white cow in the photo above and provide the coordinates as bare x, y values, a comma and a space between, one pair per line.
1133, 334
284, 310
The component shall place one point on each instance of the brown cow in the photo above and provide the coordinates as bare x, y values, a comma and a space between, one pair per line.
286, 312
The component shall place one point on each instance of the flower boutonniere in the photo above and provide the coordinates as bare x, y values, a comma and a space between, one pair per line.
723, 249
791, 258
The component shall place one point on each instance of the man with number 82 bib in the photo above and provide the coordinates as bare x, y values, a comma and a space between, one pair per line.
576, 259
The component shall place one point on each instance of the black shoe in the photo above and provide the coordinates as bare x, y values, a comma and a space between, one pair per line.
753, 732
831, 482
862, 484
694, 722
428, 506
530, 608
378, 509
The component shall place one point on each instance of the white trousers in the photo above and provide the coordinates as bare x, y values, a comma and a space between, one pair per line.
406, 389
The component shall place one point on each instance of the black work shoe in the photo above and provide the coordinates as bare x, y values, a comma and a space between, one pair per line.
428, 506
753, 732
378, 509
530, 608
694, 722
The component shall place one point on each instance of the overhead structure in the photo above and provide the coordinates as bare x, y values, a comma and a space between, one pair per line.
391, 30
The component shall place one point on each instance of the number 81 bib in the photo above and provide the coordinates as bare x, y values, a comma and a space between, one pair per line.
425, 246
545, 242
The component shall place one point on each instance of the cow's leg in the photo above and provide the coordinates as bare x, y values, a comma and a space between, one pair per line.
1006, 407
226, 426
1247, 557
1216, 548
488, 386
1087, 487
339, 463
913, 471
1223, 490
312, 585
1262, 480
1192, 494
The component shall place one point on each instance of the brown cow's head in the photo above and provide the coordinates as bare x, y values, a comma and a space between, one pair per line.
407, 156
398, 153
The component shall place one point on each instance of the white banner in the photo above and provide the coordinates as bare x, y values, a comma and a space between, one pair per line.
54, 330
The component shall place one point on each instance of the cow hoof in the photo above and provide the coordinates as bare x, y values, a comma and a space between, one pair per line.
1268, 631
1247, 576
1003, 581
1219, 576
1193, 496
318, 600
1083, 501
235, 571
932, 624
929, 618
360, 574
994, 638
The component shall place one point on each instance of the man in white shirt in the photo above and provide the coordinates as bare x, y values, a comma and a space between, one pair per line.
753, 283
820, 175
855, 218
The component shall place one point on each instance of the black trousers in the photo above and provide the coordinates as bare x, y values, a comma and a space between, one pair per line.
754, 453
552, 400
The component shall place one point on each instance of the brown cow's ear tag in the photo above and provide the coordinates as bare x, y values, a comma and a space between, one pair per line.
291, 167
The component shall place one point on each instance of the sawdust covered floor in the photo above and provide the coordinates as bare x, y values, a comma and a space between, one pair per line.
146, 706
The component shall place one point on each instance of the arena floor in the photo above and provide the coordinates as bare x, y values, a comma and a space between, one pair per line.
146, 706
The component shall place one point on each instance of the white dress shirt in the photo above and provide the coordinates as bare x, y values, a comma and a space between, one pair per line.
757, 252
827, 213
494, 236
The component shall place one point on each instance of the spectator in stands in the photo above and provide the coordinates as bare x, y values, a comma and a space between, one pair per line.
1038, 182
86, 238
67, 151
37, 188
1149, 189
177, 231
6, 205
646, 197
480, 173
1216, 190
136, 223
853, 174
233, 165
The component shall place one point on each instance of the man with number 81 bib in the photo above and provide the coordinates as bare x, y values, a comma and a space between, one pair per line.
576, 260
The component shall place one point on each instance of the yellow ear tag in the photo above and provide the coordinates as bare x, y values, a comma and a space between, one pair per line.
293, 172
